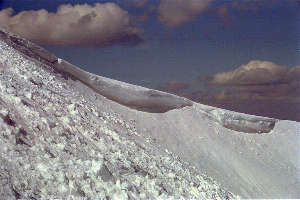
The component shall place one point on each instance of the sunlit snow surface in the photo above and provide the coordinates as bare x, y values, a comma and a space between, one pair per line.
252, 156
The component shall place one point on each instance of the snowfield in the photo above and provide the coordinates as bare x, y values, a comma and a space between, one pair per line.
67, 132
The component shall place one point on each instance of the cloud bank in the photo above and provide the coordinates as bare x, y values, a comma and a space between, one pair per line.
79, 25
176, 12
260, 88
256, 73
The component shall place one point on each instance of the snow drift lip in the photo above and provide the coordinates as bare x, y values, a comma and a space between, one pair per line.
135, 97
27, 48
244, 123
239, 122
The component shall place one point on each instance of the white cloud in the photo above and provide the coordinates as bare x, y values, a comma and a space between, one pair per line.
254, 73
176, 12
81, 25
293, 74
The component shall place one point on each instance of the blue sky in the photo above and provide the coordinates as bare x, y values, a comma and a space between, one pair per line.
201, 46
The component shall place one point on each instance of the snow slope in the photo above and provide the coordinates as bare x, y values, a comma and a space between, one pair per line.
252, 156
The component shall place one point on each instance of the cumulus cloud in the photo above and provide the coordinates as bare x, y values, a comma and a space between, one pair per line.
293, 74
176, 12
78, 25
260, 80
259, 87
254, 73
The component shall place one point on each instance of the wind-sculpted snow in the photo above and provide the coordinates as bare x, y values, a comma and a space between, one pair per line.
88, 133
27, 48
240, 122
154, 101
133, 96
56, 143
